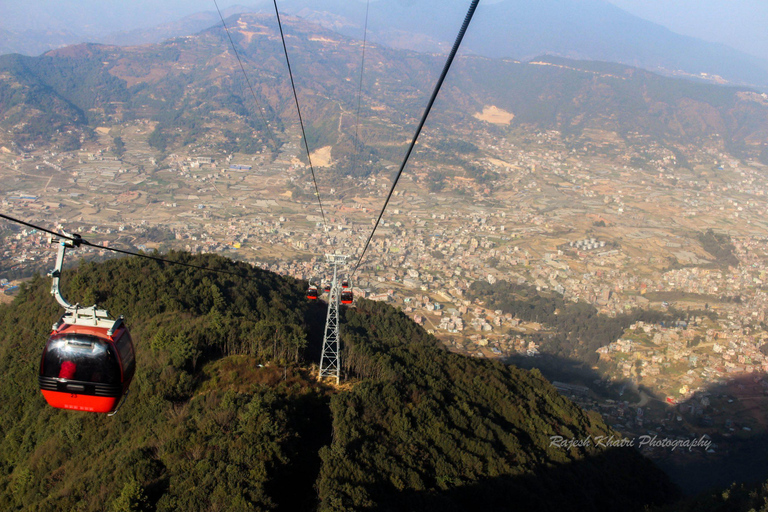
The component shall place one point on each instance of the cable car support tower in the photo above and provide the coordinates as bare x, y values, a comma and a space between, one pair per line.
330, 359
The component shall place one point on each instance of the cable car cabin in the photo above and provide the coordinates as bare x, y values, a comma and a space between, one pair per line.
87, 367
327, 288
346, 297
312, 293
345, 283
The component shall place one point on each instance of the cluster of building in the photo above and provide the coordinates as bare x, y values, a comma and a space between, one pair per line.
610, 223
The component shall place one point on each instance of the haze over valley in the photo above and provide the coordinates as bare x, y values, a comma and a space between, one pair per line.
577, 29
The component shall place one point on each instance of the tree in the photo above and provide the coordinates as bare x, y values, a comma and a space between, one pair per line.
157, 139
132, 498
119, 146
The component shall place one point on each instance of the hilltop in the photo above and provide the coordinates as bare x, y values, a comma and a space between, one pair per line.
224, 411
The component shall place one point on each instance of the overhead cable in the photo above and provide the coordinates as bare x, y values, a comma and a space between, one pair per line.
360, 91
440, 81
247, 80
301, 120
78, 240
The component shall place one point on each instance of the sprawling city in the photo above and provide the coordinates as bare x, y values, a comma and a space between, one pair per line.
582, 226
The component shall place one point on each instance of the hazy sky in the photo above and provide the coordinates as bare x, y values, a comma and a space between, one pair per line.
742, 24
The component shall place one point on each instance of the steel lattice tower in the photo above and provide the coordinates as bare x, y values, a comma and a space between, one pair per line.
330, 359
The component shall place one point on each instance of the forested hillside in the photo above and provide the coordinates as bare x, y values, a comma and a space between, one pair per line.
224, 413
440, 431
201, 427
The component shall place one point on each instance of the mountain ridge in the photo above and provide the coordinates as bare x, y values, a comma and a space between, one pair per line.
189, 83
593, 30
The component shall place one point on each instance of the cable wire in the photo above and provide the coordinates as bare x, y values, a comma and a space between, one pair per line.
78, 240
360, 91
440, 81
301, 120
247, 80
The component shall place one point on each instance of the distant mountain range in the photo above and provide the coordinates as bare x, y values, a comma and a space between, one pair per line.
520, 29
577, 29
37, 41
192, 87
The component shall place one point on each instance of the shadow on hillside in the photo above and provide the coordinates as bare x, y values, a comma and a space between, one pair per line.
315, 319
733, 415
616, 479
735, 461
739, 455
572, 371
293, 485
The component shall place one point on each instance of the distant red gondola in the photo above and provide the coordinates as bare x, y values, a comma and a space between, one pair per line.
345, 283
346, 296
312, 293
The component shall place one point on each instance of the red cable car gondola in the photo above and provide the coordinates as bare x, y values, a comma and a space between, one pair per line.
327, 288
86, 367
88, 362
312, 293
346, 296
345, 283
